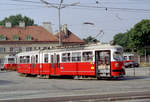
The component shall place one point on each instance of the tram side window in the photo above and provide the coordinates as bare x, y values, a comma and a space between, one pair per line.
52, 59
45, 58
125, 58
76, 56
66, 57
21, 59
32, 59
27, 59
131, 57
36, 58
24, 59
58, 59
87, 56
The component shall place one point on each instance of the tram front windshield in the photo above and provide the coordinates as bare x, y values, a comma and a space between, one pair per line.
118, 56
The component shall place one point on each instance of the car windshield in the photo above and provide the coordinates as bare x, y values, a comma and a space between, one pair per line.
117, 56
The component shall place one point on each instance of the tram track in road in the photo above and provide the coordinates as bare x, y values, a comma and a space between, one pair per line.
110, 97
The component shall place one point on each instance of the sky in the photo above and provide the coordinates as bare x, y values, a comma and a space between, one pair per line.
112, 21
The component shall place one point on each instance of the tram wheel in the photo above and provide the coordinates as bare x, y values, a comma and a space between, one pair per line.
99, 78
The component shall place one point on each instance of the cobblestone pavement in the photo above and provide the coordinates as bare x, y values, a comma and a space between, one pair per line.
13, 86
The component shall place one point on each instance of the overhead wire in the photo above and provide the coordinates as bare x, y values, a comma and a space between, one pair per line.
81, 6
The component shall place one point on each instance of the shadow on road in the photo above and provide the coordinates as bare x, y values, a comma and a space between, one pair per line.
5, 82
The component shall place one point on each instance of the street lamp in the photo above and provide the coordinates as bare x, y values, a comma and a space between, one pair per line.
59, 7
100, 33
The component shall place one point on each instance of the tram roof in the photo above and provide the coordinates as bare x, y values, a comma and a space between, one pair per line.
74, 48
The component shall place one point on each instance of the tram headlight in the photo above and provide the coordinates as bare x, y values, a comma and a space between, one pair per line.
116, 64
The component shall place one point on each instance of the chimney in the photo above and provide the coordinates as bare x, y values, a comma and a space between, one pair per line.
8, 25
48, 27
65, 30
22, 24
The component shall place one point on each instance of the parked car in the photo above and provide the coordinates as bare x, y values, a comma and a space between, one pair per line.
131, 64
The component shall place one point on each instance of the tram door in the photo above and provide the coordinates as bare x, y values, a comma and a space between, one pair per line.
102, 63
55, 63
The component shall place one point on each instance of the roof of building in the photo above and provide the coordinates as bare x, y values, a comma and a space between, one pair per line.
69, 37
37, 33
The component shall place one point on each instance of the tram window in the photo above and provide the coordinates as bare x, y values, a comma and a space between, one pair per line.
58, 60
131, 57
24, 59
36, 58
11, 60
103, 58
125, 58
21, 59
117, 56
76, 56
52, 59
45, 58
87, 56
66, 57
27, 59
32, 59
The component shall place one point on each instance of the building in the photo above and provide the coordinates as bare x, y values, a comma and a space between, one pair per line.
27, 38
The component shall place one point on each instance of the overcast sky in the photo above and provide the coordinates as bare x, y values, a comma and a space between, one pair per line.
111, 21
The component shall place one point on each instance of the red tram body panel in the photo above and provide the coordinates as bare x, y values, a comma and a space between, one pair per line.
10, 63
96, 60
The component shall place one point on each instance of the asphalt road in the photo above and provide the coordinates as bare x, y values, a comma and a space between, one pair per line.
13, 86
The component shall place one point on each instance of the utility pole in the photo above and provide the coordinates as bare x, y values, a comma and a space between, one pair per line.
59, 7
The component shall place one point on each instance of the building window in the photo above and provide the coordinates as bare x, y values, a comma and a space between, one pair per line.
2, 49
35, 48
15, 37
29, 49
44, 48
11, 49
18, 49
2, 37
29, 37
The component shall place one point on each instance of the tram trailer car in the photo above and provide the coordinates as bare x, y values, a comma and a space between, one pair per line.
10, 62
99, 60
129, 60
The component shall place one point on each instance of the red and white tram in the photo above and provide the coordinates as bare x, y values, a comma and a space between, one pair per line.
99, 60
10, 62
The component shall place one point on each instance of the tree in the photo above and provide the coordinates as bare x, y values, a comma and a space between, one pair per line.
90, 39
140, 35
137, 38
15, 19
122, 40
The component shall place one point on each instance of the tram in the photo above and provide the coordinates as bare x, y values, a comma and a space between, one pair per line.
10, 62
96, 60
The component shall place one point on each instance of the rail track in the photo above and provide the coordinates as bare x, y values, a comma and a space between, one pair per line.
90, 98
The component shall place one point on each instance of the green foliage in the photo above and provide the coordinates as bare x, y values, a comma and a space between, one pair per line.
122, 40
140, 35
137, 37
2, 37
15, 19
90, 39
